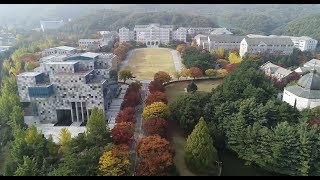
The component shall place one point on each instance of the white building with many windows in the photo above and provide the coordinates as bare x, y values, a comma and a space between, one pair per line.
304, 43
259, 44
59, 51
153, 34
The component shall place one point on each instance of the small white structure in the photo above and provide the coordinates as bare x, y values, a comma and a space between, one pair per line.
306, 94
200, 39
273, 70
59, 51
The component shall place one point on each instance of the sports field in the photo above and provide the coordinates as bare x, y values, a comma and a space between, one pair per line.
145, 62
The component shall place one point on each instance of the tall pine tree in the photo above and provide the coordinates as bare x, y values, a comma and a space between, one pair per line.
200, 154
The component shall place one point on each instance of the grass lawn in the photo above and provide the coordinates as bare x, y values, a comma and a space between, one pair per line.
173, 90
145, 62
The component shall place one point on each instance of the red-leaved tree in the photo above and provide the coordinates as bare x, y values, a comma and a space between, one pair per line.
122, 133
156, 97
156, 86
156, 156
156, 126
126, 115
231, 67
195, 72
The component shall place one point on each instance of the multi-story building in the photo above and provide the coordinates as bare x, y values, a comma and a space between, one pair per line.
45, 25
91, 44
308, 66
200, 30
152, 34
221, 31
180, 34
59, 51
67, 87
273, 70
304, 43
258, 44
226, 42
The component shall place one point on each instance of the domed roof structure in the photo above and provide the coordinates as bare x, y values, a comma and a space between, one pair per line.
310, 81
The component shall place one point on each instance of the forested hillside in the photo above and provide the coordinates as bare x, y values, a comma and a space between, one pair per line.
113, 20
304, 26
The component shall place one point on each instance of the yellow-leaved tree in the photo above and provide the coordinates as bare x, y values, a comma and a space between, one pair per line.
115, 162
156, 110
222, 72
210, 72
234, 58
64, 140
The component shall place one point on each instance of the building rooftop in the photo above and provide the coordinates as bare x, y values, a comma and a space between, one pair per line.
268, 40
220, 31
312, 63
226, 38
62, 62
310, 81
29, 74
275, 69
67, 48
90, 54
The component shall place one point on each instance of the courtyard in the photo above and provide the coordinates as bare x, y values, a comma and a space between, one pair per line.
145, 62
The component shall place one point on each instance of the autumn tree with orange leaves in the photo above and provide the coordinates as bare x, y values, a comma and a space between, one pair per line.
162, 76
156, 97
156, 156
122, 133
195, 72
156, 86
126, 115
156, 126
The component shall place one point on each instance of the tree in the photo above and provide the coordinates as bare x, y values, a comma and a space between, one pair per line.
156, 126
222, 72
156, 97
122, 133
156, 110
185, 72
210, 72
234, 58
125, 74
192, 87
115, 162
155, 156
28, 168
222, 63
200, 155
181, 48
126, 115
31, 65
188, 108
156, 86
162, 77
195, 72
64, 140
97, 131
231, 67
177, 74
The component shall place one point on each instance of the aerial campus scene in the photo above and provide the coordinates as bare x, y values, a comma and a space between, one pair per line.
160, 90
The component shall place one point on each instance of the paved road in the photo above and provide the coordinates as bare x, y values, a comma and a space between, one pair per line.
138, 133
176, 59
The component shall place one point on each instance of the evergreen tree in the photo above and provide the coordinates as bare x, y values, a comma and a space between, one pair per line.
192, 87
200, 154
28, 168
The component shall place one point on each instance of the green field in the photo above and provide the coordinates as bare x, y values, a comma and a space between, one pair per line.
175, 89
145, 62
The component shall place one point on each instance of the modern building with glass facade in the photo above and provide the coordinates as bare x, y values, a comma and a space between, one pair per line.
67, 87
